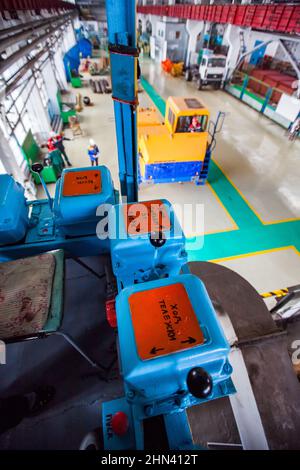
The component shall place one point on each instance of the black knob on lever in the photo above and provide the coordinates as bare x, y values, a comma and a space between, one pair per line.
37, 167
199, 382
157, 239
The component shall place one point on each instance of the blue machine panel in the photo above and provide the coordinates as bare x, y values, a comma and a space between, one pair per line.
123, 62
79, 192
132, 227
167, 328
172, 172
111, 439
13, 211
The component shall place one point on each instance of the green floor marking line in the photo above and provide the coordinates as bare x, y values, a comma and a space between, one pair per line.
156, 98
252, 235
237, 207
229, 196
240, 242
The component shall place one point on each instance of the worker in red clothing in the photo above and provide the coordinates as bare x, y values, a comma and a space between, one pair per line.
195, 125
56, 142
55, 156
51, 144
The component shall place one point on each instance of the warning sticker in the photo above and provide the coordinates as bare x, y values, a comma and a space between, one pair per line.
79, 183
146, 217
164, 321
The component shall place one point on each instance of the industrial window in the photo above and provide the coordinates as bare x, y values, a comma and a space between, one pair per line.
10, 15
42, 88
2, 169
15, 146
16, 116
178, 34
216, 62
186, 124
19, 134
14, 15
171, 117
16, 120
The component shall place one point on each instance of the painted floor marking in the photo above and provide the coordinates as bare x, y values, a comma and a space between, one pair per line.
252, 235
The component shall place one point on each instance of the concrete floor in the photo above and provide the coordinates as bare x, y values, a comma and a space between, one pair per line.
257, 267
256, 158
252, 150
76, 408
97, 122
261, 168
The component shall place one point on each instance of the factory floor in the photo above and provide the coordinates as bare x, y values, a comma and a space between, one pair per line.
79, 389
251, 224
252, 199
251, 203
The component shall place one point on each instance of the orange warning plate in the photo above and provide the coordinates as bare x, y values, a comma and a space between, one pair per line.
145, 217
79, 183
164, 321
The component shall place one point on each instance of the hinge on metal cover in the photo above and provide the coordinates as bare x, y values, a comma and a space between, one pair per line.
123, 61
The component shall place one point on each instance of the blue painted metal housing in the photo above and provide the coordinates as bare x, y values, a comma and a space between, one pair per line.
158, 385
74, 225
77, 215
152, 262
196, 172
121, 23
161, 382
172, 172
71, 60
111, 440
14, 218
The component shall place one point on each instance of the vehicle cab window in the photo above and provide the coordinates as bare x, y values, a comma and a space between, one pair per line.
171, 117
217, 62
191, 124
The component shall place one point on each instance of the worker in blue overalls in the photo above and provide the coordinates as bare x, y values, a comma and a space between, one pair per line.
93, 152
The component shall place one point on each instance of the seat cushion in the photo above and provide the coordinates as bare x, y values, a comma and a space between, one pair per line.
25, 295
55, 316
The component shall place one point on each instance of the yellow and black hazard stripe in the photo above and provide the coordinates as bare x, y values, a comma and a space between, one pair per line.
275, 293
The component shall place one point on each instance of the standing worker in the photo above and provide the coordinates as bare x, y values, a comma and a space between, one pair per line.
58, 141
93, 152
55, 157
51, 142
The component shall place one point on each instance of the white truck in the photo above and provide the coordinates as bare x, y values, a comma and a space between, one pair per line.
210, 71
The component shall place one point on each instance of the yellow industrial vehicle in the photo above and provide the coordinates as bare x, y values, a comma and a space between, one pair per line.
177, 149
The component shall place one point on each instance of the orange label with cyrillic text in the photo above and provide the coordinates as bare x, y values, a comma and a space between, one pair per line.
80, 183
146, 217
164, 321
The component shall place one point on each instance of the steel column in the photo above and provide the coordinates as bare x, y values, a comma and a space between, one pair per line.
122, 33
